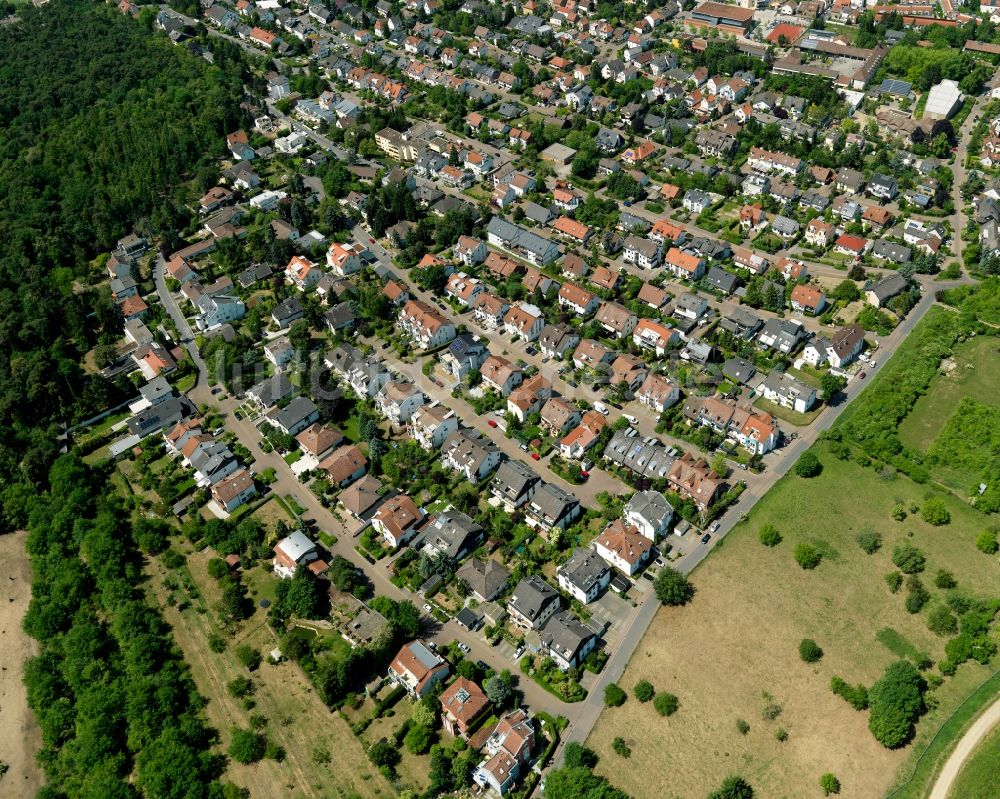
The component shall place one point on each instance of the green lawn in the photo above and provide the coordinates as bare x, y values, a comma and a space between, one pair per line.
980, 776
787, 414
972, 372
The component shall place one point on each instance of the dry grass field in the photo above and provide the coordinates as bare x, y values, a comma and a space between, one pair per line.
20, 738
738, 640
297, 718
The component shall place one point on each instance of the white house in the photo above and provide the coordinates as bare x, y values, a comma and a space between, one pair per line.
650, 513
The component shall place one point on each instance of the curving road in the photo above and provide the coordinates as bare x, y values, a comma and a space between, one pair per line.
972, 738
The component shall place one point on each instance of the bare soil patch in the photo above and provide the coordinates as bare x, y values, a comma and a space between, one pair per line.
20, 738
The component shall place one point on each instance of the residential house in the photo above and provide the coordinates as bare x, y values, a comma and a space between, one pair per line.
294, 551
521, 242
533, 602
397, 520
417, 668
488, 310
269, 392
696, 200
616, 319
558, 339
514, 484
578, 441
584, 576
578, 299
840, 350
451, 534
650, 514
567, 640
558, 416
658, 392
655, 336
464, 356
425, 326
782, 335
463, 703
788, 392
500, 375
622, 546
287, 311
524, 320
398, 401
214, 311
508, 753
463, 288
296, 416
469, 452
344, 465
551, 507
235, 490
486, 579
643, 253
807, 299
819, 233
470, 251
883, 291
430, 425
529, 397
694, 479
318, 440
684, 264
690, 306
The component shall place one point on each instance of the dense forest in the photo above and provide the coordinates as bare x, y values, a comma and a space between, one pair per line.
101, 122
113, 699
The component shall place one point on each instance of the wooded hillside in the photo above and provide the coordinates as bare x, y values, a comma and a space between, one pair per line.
101, 122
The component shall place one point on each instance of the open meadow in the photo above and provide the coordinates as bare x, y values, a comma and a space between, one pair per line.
734, 650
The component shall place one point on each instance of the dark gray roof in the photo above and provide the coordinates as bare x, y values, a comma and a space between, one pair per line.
738, 370
584, 569
532, 596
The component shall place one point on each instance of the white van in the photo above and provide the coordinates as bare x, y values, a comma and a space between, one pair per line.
600, 407
630, 419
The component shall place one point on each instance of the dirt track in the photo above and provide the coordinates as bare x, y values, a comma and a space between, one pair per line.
975, 734
20, 737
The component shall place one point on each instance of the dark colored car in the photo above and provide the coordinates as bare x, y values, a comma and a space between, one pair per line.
706, 538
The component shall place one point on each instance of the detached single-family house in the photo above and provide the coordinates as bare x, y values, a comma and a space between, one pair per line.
622, 546
584, 576
417, 668
397, 520
294, 551
533, 602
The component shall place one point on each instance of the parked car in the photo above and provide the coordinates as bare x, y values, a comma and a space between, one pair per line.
518, 652
464, 647
491, 422
706, 538
427, 607
535, 456
524, 447
585, 475
862, 376
631, 419
714, 528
